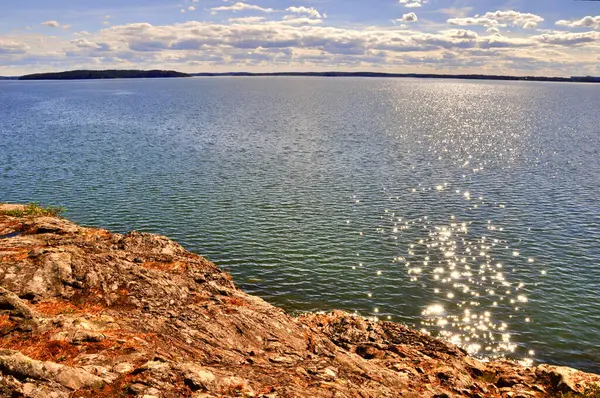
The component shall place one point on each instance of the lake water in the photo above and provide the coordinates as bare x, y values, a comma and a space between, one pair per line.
468, 208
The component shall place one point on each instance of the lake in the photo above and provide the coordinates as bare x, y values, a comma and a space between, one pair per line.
469, 209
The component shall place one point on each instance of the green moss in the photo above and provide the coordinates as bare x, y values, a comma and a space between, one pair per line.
35, 210
591, 391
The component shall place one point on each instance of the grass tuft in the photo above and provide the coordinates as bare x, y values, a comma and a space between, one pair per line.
35, 210
591, 391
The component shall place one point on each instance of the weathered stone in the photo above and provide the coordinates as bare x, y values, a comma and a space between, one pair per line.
329, 373
563, 379
196, 377
16, 364
122, 368
136, 388
11, 303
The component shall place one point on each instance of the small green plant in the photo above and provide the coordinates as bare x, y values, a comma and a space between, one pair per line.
591, 391
35, 209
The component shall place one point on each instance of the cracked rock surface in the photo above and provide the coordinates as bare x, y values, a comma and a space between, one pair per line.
89, 313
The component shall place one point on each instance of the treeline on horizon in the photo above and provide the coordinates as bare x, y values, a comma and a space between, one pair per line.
103, 74
132, 74
416, 75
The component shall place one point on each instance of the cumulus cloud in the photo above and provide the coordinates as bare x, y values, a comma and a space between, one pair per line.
51, 24
585, 22
516, 18
191, 8
456, 12
296, 34
240, 6
295, 20
311, 12
474, 21
570, 39
83, 43
12, 47
246, 20
413, 3
410, 17
500, 19
299, 40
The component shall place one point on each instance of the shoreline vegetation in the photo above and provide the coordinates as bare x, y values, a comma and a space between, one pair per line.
104, 74
85, 312
132, 74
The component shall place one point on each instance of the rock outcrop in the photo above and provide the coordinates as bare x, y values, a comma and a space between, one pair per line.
89, 313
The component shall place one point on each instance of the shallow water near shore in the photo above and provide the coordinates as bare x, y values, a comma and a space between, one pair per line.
468, 208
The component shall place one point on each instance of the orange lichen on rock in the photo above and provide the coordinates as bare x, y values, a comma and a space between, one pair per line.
57, 307
13, 254
236, 301
95, 234
173, 266
5, 322
40, 347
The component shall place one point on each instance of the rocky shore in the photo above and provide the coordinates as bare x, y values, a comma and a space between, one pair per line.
89, 313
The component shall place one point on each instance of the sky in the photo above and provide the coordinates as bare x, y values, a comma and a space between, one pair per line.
516, 37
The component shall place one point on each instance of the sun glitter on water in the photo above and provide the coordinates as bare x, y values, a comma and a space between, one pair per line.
470, 269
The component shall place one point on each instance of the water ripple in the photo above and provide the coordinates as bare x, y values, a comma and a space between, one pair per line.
391, 198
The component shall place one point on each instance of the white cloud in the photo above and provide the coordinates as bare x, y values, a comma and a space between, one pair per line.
240, 6
301, 42
51, 24
477, 21
413, 3
294, 34
83, 43
570, 39
311, 12
524, 20
191, 8
410, 17
500, 19
295, 20
246, 20
585, 22
12, 47
456, 12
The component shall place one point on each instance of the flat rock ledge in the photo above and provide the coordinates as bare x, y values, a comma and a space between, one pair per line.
88, 313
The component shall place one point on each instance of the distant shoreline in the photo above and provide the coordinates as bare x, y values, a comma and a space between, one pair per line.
579, 79
104, 74
132, 74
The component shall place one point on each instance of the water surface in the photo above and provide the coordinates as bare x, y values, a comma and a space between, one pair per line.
468, 208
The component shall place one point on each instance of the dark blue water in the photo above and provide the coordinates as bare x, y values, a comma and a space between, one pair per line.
467, 208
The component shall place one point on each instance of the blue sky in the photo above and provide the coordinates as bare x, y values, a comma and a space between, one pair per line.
534, 37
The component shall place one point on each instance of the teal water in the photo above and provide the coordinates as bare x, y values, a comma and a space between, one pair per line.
467, 208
